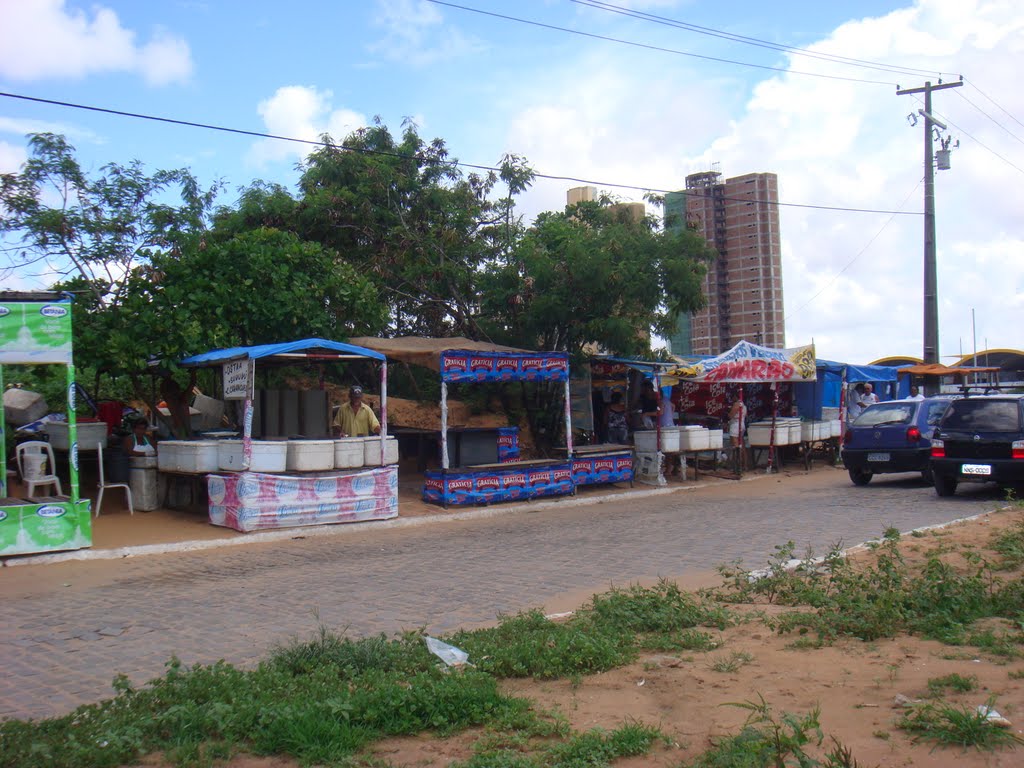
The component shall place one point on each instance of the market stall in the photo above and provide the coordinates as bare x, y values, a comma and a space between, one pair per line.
281, 481
459, 360
747, 364
35, 329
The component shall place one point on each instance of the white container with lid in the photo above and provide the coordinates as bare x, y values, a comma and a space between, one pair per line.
198, 456
267, 455
695, 440
90, 433
348, 452
371, 451
310, 455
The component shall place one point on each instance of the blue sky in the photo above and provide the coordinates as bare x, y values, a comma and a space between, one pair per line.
587, 108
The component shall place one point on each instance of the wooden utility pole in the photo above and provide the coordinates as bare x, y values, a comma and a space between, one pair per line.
931, 291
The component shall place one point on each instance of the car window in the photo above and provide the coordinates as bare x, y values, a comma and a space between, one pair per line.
983, 416
935, 411
885, 413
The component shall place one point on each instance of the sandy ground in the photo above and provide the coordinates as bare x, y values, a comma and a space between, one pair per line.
854, 683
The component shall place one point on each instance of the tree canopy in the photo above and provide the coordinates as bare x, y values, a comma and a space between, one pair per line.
383, 235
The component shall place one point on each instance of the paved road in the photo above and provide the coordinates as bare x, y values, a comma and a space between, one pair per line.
67, 629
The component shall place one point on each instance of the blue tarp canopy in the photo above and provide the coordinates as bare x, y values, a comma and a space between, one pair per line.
309, 348
855, 373
826, 391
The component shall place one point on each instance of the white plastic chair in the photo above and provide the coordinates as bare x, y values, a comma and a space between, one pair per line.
104, 485
35, 448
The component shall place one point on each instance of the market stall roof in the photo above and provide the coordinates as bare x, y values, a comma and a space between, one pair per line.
748, 363
287, 351
425, 350
857, 373
938, 369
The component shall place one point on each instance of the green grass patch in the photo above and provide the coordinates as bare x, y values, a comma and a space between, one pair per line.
953, 682
733, 662
956, 726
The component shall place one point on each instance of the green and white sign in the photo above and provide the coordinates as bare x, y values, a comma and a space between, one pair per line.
34, 332
45, 527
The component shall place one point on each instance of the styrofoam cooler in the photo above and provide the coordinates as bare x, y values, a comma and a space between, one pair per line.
90, 433
716, 439
310, 455
198, 456
836, 428
760, 433
349, 452
371, 451
267, 455
646, 440
694, 439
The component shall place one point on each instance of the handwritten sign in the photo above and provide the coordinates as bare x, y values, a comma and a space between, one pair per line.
238, 379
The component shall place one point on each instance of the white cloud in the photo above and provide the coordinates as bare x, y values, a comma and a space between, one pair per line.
415, 33
831, 143
12, 157
42, 39
300, 112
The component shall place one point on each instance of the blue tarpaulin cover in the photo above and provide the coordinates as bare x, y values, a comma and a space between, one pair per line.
219, 356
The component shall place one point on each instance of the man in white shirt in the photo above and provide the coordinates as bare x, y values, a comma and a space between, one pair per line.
915, 394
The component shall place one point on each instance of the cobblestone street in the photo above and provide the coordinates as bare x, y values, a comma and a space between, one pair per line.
66, 629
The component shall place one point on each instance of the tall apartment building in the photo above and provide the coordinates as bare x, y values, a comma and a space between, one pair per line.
743, 286
635, 211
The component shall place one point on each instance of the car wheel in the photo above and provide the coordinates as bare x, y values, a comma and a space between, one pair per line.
944, 486
927, 476
860, 476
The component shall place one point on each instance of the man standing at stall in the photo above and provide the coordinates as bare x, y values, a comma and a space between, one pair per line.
355, 418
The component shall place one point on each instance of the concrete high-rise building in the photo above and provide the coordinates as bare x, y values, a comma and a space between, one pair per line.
634, 211
740, 219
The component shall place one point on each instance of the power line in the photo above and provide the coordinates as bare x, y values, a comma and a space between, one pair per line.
657, 48
999, 106
986, 114
754, 41
975, 140
850, 263
363, 150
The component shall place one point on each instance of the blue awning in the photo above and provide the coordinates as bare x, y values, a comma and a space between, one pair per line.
855, 373
319, 348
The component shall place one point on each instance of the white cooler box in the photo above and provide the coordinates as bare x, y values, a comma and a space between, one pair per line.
90, 433
348, 452
310, 455
716, 439
694, 438
196, 456
267, 455
371, 451
646, 440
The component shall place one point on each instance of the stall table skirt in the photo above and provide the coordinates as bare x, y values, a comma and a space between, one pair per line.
251, 501
493, 483
592, 466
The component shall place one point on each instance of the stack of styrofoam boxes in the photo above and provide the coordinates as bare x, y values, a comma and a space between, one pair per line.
787, 431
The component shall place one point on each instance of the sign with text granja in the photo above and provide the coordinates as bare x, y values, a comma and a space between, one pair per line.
238, 376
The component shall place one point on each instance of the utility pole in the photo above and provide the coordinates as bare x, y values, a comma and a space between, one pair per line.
931, 291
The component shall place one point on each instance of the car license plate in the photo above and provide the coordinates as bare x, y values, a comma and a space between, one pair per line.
976, 469
878, 457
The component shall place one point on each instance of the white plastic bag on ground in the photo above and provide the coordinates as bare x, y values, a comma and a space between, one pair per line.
449, 654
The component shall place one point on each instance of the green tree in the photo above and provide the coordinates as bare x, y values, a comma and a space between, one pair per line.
94, 230
403, 213
594, 275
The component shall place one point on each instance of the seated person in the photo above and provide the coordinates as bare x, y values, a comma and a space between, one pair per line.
355, 418
138, 443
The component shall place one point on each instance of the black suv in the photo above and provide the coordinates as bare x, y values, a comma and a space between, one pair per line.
980, 439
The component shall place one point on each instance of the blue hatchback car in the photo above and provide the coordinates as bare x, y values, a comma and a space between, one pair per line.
894, 436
